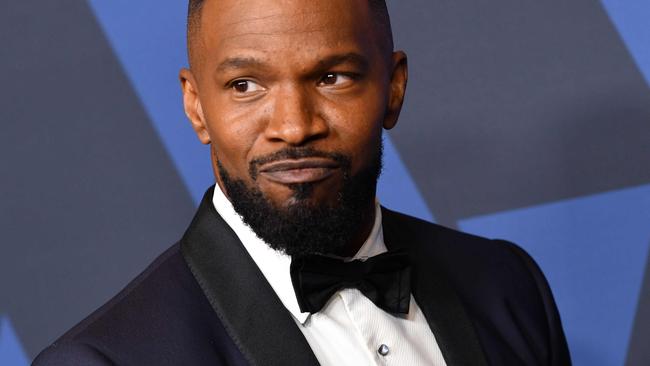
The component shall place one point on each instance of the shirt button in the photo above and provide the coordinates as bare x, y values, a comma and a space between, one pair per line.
383, 350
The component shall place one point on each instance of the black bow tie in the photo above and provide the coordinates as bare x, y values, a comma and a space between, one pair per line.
385, 279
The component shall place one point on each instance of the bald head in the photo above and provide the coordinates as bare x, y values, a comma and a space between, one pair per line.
378, 10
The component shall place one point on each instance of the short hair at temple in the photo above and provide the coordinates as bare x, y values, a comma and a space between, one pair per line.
378, 8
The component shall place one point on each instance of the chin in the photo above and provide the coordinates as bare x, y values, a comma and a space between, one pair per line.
306, 194
325, 193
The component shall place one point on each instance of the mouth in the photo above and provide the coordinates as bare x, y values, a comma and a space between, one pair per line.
296, 171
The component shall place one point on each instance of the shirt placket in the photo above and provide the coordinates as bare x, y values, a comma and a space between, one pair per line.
372, 327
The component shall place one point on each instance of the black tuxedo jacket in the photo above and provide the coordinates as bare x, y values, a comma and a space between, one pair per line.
205, 302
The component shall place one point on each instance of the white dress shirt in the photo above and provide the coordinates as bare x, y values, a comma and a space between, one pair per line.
349, 329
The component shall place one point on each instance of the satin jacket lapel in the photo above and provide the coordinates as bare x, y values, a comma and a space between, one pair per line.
248, 307
438, 301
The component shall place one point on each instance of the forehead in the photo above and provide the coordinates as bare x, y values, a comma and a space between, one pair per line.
291, 27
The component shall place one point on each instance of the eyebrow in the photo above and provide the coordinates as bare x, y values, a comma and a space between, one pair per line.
240, 63
352, 58
234, 63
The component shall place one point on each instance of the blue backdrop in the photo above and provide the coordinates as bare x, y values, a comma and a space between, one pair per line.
548, 105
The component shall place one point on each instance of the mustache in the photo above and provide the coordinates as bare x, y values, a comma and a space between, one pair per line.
296, 153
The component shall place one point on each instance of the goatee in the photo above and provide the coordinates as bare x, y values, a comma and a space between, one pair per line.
304, 227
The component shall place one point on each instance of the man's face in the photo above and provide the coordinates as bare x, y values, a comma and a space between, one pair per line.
291, 94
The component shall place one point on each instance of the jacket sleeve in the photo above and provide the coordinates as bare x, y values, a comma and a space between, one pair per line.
557, 344
68, 353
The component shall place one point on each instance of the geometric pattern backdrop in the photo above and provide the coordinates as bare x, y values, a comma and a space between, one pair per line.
528, 121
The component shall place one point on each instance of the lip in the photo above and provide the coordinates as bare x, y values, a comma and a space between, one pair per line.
295, 171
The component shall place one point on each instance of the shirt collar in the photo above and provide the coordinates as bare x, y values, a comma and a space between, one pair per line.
274, 265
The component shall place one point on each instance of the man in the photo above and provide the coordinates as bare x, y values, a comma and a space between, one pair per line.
290, 260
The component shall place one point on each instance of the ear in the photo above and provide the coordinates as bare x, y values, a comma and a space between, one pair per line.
192, 104
397, 88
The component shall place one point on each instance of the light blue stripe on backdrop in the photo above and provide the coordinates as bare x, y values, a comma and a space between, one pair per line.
148, 38
630, 17
11, 352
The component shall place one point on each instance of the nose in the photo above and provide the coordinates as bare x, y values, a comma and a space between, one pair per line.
294, 119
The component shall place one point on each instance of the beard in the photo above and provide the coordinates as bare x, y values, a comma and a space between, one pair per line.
304, 227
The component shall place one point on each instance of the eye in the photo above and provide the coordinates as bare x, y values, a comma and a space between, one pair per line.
335, 79
245, 86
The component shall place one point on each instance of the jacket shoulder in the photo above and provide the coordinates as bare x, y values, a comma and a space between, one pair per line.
161, 317
67, 352
503, 289
451, 248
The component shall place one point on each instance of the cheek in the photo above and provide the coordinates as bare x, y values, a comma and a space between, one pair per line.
234, 133
356, 123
